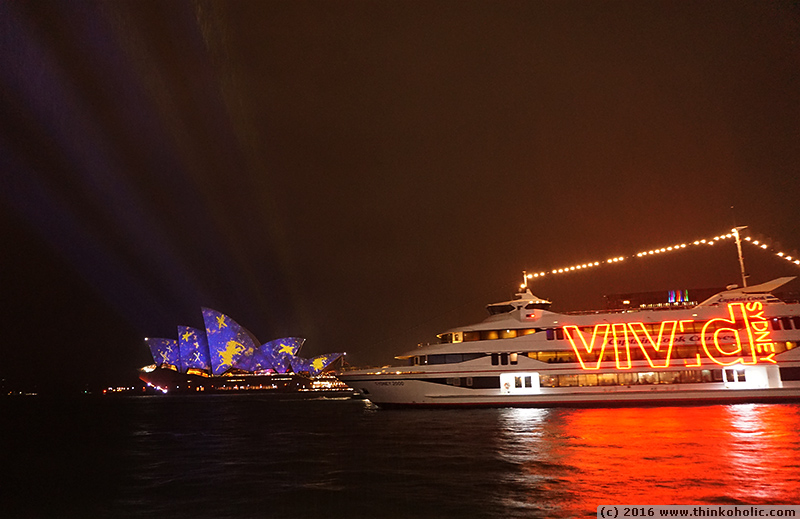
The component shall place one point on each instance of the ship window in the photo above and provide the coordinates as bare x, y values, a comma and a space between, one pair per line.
504, 359
637, 354
568, 380
548, 380
716, 375
776, 323
607, 379
486, 382
559, 334
499, 309
518, 382
648, 377
587, 380
627, 379
796, 321
547, 356
453, 358
688, 377
436, 359
537, 306
488, 335
528, 381
790, 373
513, 358
508, 334
566, 356
472, 336
495, 359
530, 331
786, 322
550, 334
468, 382
685, 352
473, 356
445, 338
669, 377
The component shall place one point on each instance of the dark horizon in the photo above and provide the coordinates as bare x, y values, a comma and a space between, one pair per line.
366, 175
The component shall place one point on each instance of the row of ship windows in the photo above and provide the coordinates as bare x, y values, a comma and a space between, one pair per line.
634, 379
454, 358
503, 359
616, 379
786, 323
778, 323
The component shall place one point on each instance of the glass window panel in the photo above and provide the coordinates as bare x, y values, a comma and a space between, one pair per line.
547, 356
568, 380
649, 377
607, 379
472, 336
488, 335
548, 381
669, 377
507, 334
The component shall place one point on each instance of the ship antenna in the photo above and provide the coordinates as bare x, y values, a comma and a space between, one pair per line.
739, 248
525, 278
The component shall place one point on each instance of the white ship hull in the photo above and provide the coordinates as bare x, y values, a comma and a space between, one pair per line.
738, 346
395, 391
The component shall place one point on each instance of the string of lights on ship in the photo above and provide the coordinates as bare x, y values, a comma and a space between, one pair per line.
763, 244
685, 352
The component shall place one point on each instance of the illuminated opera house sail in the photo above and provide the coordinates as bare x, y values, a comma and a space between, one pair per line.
227, 356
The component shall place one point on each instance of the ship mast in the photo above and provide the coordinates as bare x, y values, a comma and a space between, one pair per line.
739, 248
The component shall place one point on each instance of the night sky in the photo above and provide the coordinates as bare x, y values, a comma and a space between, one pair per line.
366, 174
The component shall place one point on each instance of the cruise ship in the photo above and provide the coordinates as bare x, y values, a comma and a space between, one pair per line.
739, 345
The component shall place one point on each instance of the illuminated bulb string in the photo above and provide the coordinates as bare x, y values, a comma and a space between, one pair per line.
663, 250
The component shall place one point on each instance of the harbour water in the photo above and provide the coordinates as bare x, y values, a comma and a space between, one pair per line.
243, 456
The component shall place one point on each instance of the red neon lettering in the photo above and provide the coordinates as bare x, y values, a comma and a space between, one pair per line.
655, 347
738, 314
747, 326
572, 331
617, 330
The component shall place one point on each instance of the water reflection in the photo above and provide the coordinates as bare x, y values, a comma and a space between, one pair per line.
568, 461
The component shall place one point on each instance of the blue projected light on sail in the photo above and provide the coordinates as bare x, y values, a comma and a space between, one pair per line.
193, 348
228, 343
283, 350
263, 359
165, 351
314, 366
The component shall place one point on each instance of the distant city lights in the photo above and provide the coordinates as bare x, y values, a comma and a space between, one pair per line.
662, 250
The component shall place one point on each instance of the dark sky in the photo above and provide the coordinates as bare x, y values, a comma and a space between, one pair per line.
366, 174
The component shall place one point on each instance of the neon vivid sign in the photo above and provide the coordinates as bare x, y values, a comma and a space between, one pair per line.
744, 338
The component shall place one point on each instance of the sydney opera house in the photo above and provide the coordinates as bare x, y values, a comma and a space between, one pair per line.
227, 357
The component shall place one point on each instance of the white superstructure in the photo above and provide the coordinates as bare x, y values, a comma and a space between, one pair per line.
737, 346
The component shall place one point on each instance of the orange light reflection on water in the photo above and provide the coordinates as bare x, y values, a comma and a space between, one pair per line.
723, 454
